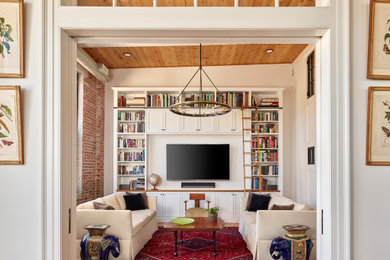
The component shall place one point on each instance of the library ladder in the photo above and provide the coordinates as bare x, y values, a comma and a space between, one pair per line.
250, 135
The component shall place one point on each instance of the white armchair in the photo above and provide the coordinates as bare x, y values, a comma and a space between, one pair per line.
260, 228
133, 228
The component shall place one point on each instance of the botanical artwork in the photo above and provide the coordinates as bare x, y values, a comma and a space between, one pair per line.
379, 126
11, 38
11, 151
379, 41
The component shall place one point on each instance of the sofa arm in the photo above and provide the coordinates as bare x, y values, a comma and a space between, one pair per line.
269, 223
120, 222
152, 202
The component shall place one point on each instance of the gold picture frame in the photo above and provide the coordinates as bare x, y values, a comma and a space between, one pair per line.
378, 64
11, 128
12, 63
378, 126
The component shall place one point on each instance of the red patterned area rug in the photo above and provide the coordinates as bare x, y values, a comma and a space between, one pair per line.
196, 245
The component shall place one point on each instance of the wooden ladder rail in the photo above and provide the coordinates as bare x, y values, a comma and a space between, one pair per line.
257, 140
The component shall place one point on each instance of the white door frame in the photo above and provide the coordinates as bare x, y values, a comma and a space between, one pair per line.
333, 113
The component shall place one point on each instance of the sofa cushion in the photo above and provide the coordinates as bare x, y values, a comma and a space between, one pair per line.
102, 206
299, 206
121, 200
148, 214
86, 205
282, 207
138, 222
134, 201
259, 202
112, 201
249, 218
280, 200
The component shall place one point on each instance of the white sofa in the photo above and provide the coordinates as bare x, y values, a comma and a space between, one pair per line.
133, 228
259, 228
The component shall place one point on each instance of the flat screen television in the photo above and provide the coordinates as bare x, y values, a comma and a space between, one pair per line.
198, 161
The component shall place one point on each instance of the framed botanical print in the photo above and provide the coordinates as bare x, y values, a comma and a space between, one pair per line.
11, 130
379, 40
11, 39
378, 126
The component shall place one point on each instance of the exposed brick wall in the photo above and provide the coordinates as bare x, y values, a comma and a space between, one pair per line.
91, 138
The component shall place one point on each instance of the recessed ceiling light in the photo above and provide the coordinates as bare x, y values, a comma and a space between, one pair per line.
127, 54
269, 51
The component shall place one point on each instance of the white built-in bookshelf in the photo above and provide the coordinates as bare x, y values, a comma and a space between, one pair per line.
147, 114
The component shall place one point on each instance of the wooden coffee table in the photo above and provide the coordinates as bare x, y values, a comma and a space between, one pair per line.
200, 224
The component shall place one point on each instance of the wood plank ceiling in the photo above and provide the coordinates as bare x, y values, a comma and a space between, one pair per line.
189, 3
184, 56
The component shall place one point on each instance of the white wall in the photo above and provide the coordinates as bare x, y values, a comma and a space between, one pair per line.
278, 76
157, 155
303, 134
21, 187
370, 184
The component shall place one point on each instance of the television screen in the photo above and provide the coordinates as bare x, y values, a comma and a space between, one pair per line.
198, 162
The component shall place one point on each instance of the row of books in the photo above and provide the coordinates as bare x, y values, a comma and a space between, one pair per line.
131, 143
231, 98
131, 156
131, 116
131, 102
138, 127
266, 142
131, 170
268, 128
265, 156
267, 116
208, 96
265, 170
160, 100
138, 184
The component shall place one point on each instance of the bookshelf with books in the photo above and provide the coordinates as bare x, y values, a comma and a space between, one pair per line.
140, 113
267, 150
129, 149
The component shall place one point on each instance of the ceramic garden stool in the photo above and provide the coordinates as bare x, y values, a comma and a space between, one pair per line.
97, 245
293, 246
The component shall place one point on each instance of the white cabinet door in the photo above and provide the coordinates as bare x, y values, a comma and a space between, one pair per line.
191, 124
236, 120
226, 203
224, 123
237, 201
172, 205
155, 119
207, 124
160, 205
173, 122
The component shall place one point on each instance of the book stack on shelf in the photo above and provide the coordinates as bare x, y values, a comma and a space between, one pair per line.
269, 102
131, 143
160, 100
268, 128
131, 156
134, 127
231, 98
267, 116
124, 170
270, 170
131, 102
268, 156
138, 184
131, 116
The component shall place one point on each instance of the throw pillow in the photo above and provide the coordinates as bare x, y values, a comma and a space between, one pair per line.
99, 205
134, 201
282, 207
144, 197
248, 202
259, 202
